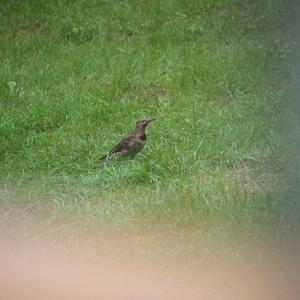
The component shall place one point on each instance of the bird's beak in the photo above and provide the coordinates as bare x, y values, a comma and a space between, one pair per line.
151, 120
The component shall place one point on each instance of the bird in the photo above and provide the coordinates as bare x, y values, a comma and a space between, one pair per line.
133, 143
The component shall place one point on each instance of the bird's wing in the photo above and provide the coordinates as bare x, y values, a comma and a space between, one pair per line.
123, 145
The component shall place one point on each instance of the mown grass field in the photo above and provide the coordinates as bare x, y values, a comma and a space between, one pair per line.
76, 75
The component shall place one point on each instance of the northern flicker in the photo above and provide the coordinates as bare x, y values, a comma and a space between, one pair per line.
133, 143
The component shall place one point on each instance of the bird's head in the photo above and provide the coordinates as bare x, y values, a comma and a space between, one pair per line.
143, 123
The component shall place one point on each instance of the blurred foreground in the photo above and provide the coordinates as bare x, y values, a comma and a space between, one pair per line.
41, 270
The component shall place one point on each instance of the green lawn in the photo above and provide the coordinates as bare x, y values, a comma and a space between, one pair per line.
76, 75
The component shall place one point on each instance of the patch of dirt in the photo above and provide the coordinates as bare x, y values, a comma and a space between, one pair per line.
244, 177
145, 93
153, 93
33, 26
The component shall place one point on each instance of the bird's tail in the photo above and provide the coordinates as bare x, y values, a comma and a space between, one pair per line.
103, 157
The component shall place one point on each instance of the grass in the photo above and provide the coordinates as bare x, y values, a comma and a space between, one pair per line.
76, 75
